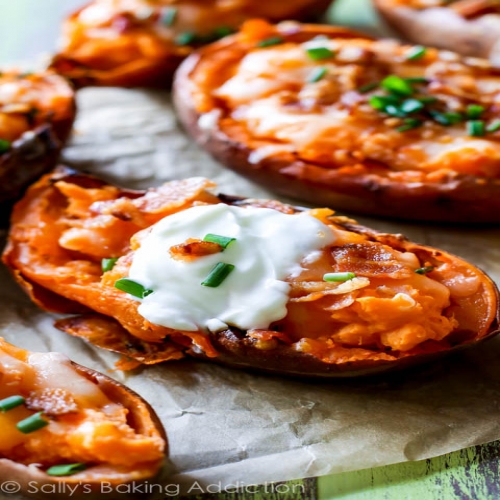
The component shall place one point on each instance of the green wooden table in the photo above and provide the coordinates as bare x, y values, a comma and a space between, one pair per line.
29, 28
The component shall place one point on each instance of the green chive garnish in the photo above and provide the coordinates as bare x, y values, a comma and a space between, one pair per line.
427, 99
474, 111
338, 277
4, 146
268, 42
411, 106
424, 270
366, 88
416, 53
107, 264
223, 241
319, 53
446, 118
65, 470
397, 85
409, 124
416, 79
186, 38
32, 424
169, 16
223, 31
218, 274
317, 75
476, 128
380, 102
132, 287
11, 402
392, 110
493, 126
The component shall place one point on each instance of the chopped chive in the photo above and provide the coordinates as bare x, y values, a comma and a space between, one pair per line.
65, 470
427, 99
397, 85
268, 42
11, 402
416, 53
169, 16
369, 86
416, 79
424, 270
132, 287
392, 110
474, 111
4, 146
338, 277
223, 241
107, 264
493, 126
476, 128
446, 118
382, 101
317, 74
223, 31
411, 106
186, 38
218, 274
319, 53
409, 124
32, 424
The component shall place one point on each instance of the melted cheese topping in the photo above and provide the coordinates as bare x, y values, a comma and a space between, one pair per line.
84, 424
329, 122
268, 248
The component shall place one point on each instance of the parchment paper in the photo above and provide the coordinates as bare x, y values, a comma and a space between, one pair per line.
229, 427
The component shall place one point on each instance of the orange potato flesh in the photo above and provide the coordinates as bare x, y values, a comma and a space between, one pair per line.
88, 422
388, 312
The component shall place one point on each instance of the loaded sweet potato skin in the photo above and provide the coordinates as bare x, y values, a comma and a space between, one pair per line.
328, 331
469, 27
36, 115
323, 141
141, 42
64, 409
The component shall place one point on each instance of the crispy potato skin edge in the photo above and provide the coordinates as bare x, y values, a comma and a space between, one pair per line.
139, 409
463, 199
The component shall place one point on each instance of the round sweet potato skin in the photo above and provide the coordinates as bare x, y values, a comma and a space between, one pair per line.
475, 32
479, 315
157, 71
35, 483
456, 197
37, 150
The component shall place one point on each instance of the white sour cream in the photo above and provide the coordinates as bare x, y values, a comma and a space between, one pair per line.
269, 247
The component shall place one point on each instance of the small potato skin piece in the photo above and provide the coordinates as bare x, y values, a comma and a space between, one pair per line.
478, 315
156, 72
445, 28
457, 197
35, 483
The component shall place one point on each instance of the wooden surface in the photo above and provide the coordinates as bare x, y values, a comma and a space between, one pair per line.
30, 28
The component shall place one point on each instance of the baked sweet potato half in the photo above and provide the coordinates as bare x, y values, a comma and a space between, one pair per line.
334, 118
141, 42
469, 27
69, 429
178, 271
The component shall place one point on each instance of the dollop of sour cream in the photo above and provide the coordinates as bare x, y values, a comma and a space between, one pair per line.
269, 247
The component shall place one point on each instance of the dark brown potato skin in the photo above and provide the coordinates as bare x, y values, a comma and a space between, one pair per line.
235, 349
460, 198
444, 28
157, 73
88, 483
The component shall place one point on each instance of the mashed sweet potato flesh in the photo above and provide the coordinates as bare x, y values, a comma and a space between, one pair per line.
62, 230
85, 425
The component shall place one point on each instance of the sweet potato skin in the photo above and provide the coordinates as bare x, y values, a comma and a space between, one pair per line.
445, 28
156, 72
479, 320
457, 197
35, 483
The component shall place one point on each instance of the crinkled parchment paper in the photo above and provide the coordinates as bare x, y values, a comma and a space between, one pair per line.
230, 427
